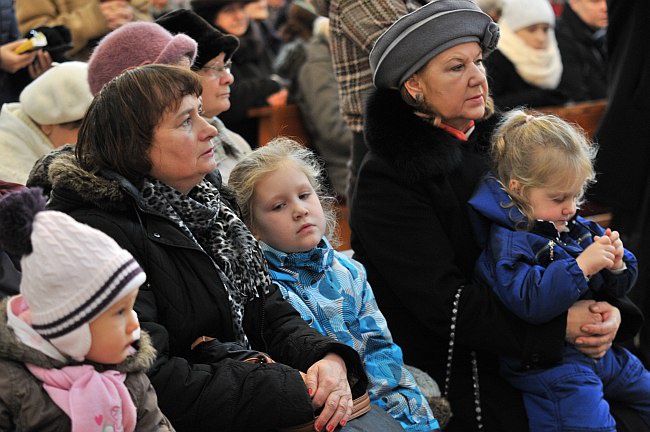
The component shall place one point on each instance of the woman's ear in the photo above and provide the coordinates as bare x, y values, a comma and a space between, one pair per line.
413, 86
514, 186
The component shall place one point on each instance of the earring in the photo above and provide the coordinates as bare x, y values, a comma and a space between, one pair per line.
418, 98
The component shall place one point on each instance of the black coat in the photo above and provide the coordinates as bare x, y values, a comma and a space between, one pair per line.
509, 89
411, 229
624, 132
584, 73
184, 299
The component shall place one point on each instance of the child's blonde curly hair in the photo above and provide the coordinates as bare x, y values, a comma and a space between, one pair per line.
539, 151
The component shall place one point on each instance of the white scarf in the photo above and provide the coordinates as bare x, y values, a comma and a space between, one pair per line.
539, 67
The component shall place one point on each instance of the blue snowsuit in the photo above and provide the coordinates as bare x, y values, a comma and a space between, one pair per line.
535, 274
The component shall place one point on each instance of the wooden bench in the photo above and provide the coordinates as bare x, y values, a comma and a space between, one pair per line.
280, 121
587, 115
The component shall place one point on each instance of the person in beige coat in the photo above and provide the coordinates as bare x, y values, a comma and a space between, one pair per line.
87, 20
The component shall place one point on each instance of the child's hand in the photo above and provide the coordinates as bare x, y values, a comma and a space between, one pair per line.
619, 250
599, 255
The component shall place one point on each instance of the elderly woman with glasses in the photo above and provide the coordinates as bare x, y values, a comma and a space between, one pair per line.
256, 85
212, 63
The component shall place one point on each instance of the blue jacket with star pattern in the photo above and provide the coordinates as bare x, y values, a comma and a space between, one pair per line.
331, 293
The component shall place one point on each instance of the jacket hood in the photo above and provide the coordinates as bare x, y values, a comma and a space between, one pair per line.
492, 205
12, 349
492, 201
417, 149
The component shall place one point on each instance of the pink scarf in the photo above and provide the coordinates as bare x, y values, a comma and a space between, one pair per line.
94, 401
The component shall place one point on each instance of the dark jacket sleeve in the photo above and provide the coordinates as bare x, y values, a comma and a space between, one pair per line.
149, 416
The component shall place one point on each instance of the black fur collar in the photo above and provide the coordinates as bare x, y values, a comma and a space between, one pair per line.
417, 149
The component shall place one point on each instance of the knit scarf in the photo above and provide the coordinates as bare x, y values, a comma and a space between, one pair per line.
539, 67
217, 229
94, 401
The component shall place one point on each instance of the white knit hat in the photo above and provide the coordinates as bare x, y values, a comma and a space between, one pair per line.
72, 274
519, 14
60, 95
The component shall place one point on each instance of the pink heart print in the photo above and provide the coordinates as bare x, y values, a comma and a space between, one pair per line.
99, 419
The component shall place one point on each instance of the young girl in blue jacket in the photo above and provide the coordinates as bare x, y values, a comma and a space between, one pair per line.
540, 257
283, 201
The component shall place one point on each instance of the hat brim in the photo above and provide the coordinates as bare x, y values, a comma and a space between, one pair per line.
413, 40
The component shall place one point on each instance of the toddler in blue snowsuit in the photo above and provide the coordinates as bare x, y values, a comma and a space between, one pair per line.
540, 257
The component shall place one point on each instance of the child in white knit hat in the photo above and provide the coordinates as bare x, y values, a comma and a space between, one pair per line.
71, 353
527, 67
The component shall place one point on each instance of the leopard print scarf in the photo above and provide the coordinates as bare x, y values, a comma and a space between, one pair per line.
223, 236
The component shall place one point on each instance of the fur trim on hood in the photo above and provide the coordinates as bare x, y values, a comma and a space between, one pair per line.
12, 349
417, 149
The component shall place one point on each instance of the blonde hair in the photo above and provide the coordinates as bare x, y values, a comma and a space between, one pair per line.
264, 160
541, 150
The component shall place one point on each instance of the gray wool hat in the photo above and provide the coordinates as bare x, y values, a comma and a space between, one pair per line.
417, 37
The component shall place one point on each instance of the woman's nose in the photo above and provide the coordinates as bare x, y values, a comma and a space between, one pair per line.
478, 76
208, 131
227, 78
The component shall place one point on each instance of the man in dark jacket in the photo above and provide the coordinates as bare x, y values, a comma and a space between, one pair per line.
580, 34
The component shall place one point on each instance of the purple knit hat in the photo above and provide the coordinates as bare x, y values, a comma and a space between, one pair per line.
136, 44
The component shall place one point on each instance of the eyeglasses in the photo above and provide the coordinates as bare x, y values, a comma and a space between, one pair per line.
218, 70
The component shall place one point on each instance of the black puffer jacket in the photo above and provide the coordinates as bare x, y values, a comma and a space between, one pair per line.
184, 299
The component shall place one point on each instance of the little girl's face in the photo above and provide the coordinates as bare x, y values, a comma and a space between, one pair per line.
536, 36
112, 332
554, 205
287, 214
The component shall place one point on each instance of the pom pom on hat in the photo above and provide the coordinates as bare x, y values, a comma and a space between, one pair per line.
60, 95
417, 37
136, 44
211, 41
72, 274
519, 14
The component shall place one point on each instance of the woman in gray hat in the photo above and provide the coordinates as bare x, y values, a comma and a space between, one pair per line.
427, 126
